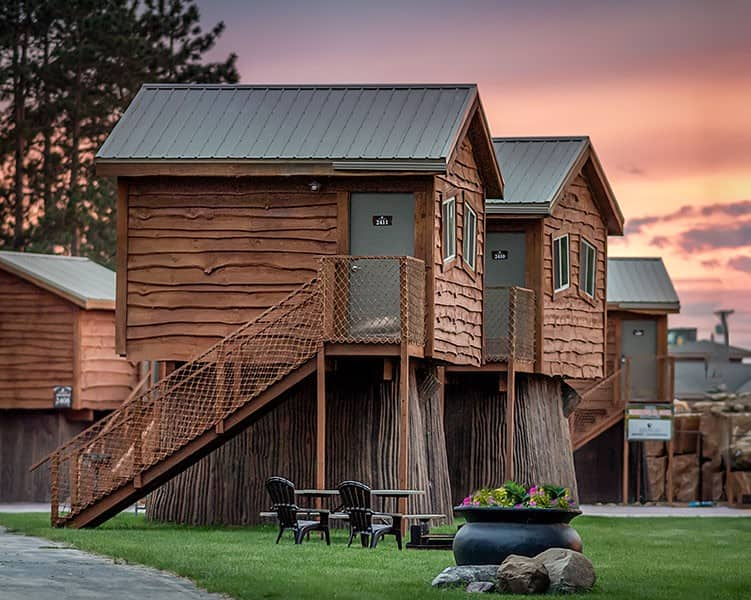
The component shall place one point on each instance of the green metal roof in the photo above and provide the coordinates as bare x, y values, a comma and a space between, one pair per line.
641, 283
77, 279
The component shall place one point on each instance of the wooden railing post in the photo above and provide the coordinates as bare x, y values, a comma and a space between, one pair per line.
54, 489
403, 301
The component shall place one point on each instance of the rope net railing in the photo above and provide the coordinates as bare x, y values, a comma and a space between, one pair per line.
373, 299
509, 324
193, 399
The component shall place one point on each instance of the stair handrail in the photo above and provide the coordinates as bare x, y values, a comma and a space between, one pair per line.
133, 398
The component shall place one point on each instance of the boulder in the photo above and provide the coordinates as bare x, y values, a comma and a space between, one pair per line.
685, 477
481, 587
522, 575
460, 576
569, 571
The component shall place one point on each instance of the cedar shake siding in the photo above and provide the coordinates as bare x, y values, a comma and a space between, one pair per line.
458, 289
573, 323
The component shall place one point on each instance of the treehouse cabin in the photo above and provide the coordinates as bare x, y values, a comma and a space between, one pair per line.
638, 369
544, 314
312, 261
58, 367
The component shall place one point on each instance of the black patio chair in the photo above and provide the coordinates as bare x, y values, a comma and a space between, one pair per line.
282, 492
356, 503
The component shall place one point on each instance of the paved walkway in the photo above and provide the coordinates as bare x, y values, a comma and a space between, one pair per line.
614, 510
35, 568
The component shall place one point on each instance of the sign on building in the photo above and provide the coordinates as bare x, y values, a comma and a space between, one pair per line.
63, 396
649, 422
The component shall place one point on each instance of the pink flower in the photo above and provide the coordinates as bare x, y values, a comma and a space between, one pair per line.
517, 505
467, 501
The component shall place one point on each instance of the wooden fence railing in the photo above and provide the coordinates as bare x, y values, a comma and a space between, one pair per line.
509, 324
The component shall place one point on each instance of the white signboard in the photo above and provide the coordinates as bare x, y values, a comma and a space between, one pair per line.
649, 429
649, 422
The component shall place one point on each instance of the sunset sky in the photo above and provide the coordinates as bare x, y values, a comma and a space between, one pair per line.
663, 88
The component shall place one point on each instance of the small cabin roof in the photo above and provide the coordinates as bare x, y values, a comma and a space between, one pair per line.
695, 379
405, 127
537, 170
77, 279
707, 350
641, 284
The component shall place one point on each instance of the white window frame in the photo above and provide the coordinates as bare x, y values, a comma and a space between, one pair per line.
470, 238
448, 212
584, 268
557, 265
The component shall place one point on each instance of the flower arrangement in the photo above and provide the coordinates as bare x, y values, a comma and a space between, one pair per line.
514, 495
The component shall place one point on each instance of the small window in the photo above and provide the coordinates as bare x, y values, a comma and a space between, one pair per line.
588, 268
470, 236
449, 229
560, 263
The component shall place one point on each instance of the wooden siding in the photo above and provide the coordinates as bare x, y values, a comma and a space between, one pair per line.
207, 255
573, 324
105, 379
36, 344
458, 292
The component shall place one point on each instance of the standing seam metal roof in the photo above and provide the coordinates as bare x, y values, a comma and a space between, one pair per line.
75, 278
640, 283
535, 168
337, 122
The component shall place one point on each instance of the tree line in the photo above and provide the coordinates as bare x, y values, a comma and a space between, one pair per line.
68, 68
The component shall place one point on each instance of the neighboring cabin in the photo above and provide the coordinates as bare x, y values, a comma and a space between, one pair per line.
640, 297
448, 321
57, 328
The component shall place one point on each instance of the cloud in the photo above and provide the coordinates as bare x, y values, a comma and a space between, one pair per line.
712, 263
740, 263
659, 241
740, 208
717, 236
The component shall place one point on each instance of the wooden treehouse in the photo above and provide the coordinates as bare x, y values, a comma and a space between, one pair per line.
638, 369
59, 370
341, 289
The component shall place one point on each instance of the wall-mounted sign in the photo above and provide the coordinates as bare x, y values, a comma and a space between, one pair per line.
649, 422
383, 220
63, 396
638, 332
500, 254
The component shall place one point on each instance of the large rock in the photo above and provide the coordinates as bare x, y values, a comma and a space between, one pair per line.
464, 574
522, 575
569, 572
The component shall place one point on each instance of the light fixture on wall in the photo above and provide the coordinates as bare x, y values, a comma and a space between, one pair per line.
315, 186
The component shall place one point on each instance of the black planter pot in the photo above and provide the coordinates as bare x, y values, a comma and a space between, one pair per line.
492, 533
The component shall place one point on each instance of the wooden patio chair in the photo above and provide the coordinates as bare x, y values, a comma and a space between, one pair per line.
356, 503
282, 492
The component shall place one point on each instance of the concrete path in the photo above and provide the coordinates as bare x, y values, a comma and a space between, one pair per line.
35, 568
615, 510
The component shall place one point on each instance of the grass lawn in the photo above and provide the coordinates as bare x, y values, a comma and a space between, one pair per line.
670, 558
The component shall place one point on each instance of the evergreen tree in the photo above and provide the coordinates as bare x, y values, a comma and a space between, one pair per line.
68, 68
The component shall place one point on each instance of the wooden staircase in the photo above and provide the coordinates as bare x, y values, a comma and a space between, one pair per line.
601, 407
163, 430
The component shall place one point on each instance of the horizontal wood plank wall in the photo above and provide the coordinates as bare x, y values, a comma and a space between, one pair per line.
574, 325
36, 343
458, 292
105, 379
207, 255
27, 436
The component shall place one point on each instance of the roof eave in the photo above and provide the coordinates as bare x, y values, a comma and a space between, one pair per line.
517, 208
666, 307
258, 167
